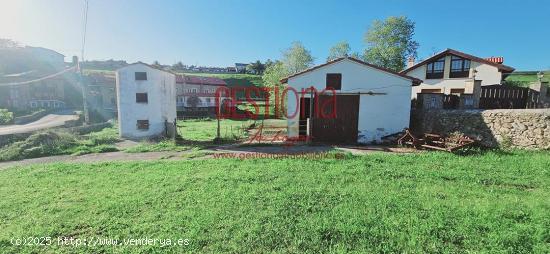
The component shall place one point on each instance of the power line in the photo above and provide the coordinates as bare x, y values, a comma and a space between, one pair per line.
39, 79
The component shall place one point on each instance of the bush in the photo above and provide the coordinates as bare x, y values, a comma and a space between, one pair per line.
57, 142
39, 144
105, 136
6, 117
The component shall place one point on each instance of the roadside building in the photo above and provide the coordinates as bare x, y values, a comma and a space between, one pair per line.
196, 96
453, 72
146, 101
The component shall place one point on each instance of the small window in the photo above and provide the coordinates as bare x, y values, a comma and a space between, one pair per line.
334, 81
460, 67
141, 75
142, 124
141, 98
434, 70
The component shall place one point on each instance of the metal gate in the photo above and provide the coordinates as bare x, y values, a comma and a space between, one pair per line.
340, 127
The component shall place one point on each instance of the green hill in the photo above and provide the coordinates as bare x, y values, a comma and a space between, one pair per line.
524, 78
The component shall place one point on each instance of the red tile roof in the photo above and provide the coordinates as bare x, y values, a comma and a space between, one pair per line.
501, 67
180, 79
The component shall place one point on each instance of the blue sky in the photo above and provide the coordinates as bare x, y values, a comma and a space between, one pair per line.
219, 33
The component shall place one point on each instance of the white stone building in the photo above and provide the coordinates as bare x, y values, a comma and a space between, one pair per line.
146, 101
452, 72
370, 103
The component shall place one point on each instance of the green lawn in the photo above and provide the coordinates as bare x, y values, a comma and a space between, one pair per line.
230, 130
430, 202
206, 130
523, 79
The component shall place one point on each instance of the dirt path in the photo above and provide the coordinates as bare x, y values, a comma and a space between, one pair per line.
95, 157
236, 150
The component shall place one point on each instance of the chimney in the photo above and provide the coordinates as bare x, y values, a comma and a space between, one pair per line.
496, 59
410, 62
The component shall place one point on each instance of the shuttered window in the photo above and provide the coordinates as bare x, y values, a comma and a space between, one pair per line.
334, 81
141, 75
141, 98
142, 124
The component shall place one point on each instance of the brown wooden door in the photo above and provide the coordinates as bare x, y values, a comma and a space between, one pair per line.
340, 127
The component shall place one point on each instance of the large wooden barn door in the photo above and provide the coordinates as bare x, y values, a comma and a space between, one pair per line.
339, 129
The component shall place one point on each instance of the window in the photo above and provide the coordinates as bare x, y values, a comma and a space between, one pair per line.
140, 75
334, 81
207, 100
142, 124
460, 67
141, 98
434, 70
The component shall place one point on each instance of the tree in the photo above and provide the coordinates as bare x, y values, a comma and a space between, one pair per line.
297, 58
390, 42
256, 67
274, 73
193, 101
341, 49
178, 66
268, 63
271, 79
6, 117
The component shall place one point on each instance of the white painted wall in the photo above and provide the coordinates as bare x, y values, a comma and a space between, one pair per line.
161, 91
488, 74
379, 115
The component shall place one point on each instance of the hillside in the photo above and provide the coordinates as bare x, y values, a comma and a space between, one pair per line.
233, 80
523, 78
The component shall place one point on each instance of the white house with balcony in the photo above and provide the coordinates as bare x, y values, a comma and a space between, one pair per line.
146, 101
196, 96
453, 72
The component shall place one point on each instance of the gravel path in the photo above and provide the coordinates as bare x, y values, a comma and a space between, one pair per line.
169, 155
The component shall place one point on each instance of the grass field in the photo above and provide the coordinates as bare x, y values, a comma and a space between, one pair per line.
523, 79
431, 202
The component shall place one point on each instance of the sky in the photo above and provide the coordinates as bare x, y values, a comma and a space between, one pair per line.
220, 33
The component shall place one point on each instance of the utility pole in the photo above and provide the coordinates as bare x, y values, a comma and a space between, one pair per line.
84, 92
79, 67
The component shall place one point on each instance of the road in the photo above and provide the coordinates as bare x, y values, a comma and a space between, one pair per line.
48, 121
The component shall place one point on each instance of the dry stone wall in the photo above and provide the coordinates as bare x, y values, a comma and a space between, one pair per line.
519, 128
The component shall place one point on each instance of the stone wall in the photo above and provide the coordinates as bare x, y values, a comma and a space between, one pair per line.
520, 128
